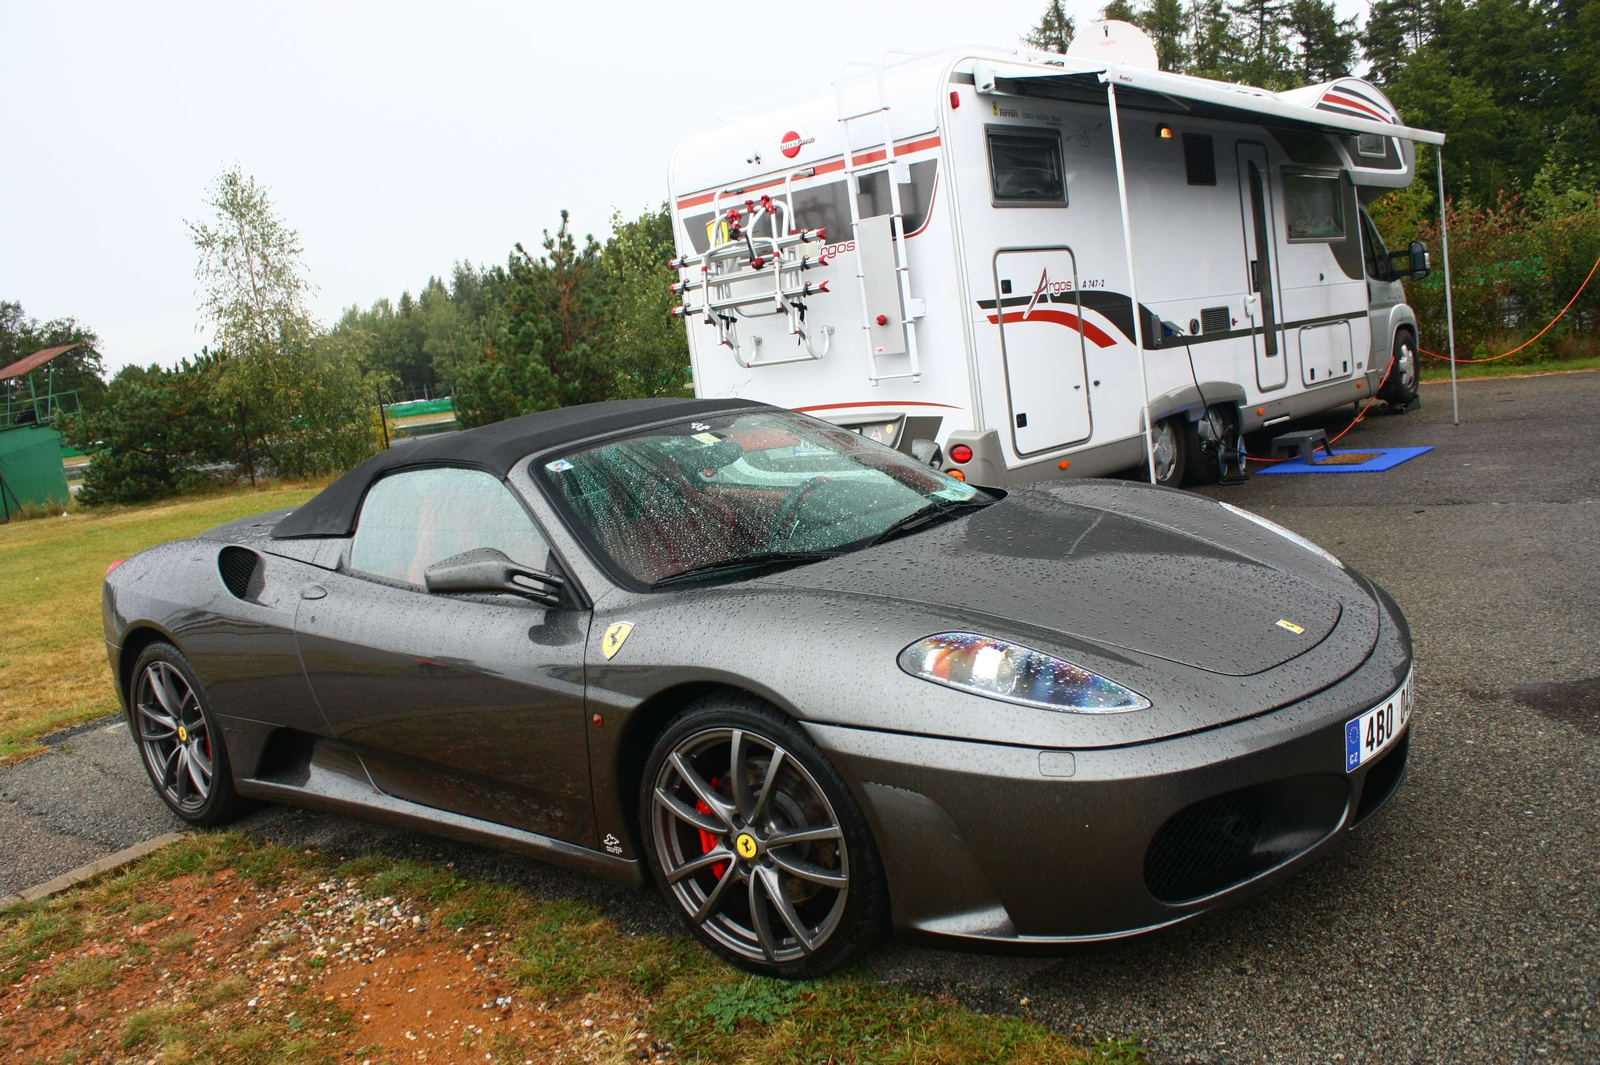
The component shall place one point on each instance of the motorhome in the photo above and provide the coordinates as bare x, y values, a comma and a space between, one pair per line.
945, 252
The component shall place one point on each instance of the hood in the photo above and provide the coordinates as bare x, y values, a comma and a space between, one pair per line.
1123, 566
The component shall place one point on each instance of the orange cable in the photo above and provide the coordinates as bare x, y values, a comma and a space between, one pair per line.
1536, 336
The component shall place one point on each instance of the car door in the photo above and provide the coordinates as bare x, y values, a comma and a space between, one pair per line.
468, 703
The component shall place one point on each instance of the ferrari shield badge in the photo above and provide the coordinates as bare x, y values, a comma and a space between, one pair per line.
1283, 623
615, 637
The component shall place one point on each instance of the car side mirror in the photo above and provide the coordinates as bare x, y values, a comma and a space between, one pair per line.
927, 453
487, 570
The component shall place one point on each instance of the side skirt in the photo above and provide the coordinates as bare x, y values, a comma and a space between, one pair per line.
321, 788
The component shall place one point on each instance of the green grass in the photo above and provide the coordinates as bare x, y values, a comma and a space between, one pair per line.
53, 671
560, 949
1435, 370
556, 950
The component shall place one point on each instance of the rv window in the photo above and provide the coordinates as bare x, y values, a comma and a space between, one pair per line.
1314, 206
915, 198
1370, 144
1025, 168
1200, 158
1376, 254
822, 206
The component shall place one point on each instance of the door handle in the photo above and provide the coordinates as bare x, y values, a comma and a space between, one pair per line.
312, 591
1252, 307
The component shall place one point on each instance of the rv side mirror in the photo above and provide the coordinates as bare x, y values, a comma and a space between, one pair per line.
1412, 263
1420, 267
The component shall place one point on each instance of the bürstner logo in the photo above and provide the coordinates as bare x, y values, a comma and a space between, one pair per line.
1046, 289
792, 143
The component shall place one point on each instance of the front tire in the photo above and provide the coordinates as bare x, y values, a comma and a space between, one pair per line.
1168, 442
179, 740
757, 843
1404, 382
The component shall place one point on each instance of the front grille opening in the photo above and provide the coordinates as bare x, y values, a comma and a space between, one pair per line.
1230, 838
241, 572
1383, 778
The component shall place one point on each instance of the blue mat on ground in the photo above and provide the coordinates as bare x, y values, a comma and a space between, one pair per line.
1383, 458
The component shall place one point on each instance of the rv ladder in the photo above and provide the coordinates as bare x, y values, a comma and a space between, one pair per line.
853, 173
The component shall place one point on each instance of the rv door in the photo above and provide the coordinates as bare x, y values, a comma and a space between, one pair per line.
1041, 341
1261, 302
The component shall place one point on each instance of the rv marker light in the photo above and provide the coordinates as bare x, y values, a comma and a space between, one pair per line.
961, 453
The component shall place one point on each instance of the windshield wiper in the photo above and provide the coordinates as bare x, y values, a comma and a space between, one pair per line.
739, 562
929, 514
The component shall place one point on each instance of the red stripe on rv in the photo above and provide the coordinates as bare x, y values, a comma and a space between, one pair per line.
821, 168
1098, 336
1345, 101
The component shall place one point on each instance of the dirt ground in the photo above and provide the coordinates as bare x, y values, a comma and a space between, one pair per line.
208, 967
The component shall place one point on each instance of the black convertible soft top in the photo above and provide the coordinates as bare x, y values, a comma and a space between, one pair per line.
495, 448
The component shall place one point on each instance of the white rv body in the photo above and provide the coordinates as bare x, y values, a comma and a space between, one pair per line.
1004, 325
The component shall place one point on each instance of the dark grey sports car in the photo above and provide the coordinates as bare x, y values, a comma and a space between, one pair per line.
810, 686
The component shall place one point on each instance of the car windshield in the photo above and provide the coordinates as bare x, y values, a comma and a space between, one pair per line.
720, 492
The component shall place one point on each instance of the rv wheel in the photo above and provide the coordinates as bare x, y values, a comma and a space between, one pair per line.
1404, 382
1167, 441
1207, 445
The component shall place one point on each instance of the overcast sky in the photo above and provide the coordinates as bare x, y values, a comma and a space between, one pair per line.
396, 137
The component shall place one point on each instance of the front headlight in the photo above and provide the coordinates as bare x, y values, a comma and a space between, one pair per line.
994, 668
1272, 526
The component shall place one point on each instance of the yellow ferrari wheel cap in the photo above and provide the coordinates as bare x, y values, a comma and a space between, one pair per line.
183, 734
746, 845
615, 637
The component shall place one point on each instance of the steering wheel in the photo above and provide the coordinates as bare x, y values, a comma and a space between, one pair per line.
788, 516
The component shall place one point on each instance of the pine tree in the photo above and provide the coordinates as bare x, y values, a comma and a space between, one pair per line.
1260, 54
1325, 45
1212, 40
1166, 22
1054, 31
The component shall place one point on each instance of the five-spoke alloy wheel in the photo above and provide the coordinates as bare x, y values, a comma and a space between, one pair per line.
753, 836
181, 746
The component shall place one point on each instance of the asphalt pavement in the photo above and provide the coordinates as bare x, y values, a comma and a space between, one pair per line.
1460, 925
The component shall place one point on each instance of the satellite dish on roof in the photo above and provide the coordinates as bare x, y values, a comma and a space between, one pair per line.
1115, 41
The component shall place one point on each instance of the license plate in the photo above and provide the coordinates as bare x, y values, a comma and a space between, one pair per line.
1375, 731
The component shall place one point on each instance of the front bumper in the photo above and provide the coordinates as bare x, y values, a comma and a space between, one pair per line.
999, 847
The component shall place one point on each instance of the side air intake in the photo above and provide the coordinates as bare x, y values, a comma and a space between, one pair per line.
241, 572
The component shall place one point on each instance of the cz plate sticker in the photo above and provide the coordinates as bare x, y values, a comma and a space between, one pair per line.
1376, 730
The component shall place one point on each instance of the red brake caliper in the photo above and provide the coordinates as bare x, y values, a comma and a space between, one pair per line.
708, 840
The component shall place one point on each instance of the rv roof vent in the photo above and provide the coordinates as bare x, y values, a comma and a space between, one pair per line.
1216, 319
1115, 41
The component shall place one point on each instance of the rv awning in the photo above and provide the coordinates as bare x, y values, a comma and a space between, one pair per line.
1157, 90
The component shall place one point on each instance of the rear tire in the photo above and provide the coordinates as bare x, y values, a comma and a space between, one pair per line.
728, 782
1404, 384
179, 740
1207, 443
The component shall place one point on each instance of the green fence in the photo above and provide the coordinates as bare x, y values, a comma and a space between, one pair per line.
30, 469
